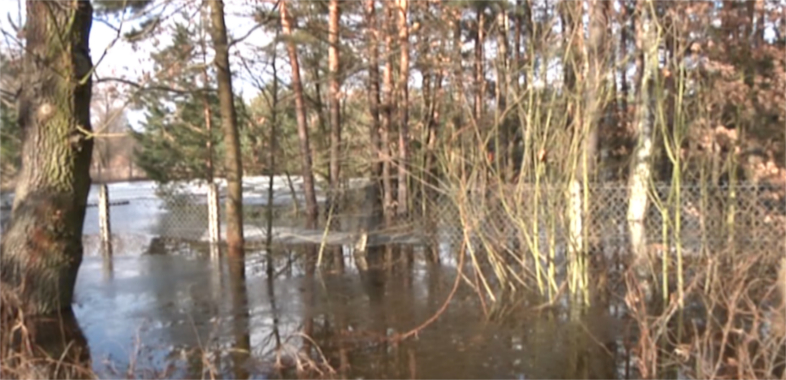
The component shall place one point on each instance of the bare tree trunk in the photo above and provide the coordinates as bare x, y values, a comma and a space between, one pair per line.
595, 95
666, 166
595, 85
517, 58
234, 167
335, 125
373, 97
641, 171
312, 212
571, 13
387, 121
42, 245
505, 141
624, 37
480, 83
457, 81
271, 158
403, 135
322, 146
335, 115
214, 219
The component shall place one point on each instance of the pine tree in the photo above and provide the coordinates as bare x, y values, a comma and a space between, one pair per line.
173, 143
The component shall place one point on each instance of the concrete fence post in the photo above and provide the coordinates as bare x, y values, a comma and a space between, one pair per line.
103, 220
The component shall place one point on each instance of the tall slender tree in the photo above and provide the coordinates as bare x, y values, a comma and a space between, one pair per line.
387, 120
480, 75
403, 108
335, 101
641, 170
377, 149
233, 166
312, 212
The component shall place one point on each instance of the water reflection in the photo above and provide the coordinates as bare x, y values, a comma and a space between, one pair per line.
201, 316
240, 318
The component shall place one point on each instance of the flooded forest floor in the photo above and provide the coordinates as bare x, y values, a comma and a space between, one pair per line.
162, 307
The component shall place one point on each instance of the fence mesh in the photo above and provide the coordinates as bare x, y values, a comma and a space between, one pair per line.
708, 219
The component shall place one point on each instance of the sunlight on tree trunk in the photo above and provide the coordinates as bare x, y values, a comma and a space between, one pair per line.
335, 101
234, 166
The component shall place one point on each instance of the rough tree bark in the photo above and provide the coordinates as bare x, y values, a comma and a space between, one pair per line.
312, 212
234, 167
403, 134
42, 246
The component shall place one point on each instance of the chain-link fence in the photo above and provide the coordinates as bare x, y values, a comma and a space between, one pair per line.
517, 217
697, 219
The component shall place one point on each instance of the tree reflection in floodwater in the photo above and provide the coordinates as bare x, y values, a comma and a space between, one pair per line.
241, 323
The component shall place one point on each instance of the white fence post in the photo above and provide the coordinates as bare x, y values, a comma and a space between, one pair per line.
213, 219
103, 219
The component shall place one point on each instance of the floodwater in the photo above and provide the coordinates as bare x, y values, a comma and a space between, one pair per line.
164, 308
161, 307
187, 313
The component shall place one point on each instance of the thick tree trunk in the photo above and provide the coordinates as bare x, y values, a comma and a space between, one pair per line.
373, 98
335, 116
312, 212
234, 167
42, 246
403, 134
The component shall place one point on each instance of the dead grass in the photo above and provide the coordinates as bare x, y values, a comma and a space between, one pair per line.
40, 347
732, 325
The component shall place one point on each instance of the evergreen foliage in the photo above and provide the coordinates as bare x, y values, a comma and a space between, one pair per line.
174, 142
